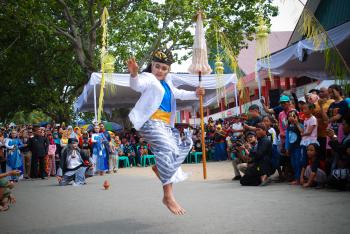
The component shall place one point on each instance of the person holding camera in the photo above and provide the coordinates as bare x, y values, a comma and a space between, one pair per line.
260, 166
242, 150
340, 168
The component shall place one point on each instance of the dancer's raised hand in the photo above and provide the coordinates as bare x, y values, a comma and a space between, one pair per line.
133, 67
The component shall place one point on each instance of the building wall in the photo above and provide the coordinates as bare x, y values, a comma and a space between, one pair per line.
332, 13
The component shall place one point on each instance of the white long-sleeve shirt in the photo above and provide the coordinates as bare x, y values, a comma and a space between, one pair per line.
152, 93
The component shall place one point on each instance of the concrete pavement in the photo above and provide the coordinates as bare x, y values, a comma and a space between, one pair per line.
133, 205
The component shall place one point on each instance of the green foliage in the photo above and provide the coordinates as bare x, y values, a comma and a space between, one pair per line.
35, 117
49, 48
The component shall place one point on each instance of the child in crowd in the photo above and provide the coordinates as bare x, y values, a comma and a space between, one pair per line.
293, 138
51, 156
309, 133
313, 174
113, 153
64, 138
275, 159
57, 141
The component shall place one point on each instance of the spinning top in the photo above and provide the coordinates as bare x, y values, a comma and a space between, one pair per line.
106, 185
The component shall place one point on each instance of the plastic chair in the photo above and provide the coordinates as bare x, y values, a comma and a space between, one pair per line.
125, 160
196, 155
149, 159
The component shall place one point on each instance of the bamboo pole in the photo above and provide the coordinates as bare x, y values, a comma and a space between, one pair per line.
204, 158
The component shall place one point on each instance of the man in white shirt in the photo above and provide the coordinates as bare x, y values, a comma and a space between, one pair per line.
73, 163
237, 127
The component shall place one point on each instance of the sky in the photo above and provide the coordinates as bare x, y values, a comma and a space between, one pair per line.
289, 13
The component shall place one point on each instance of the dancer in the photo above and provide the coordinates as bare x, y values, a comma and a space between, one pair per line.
154, 115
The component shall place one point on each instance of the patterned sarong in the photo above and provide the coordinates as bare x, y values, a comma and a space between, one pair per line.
169, 149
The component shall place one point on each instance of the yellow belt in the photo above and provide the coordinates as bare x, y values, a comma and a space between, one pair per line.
161, 115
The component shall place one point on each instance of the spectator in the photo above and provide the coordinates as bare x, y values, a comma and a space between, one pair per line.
108, 139
26, 153
57, 141
314, 173
243, 150
64, 138
38, 145
237, 127
14, 157
340, 170
220, 144
275, 157
255, 118
2, 152
130, 152
113, 154
337, 110
320, 112
99, 151
283, 120
273, 111
73, 164
309, 132
293, 139
259, 167
85, 143
51, 156
71, 133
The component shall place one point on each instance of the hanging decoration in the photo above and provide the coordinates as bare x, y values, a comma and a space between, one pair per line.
107, 61
219, 71
231, 57
262, 45
220, 86
313, 30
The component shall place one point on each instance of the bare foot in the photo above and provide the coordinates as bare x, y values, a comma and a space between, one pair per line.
294, 182
59, 179
155, 170
173, 206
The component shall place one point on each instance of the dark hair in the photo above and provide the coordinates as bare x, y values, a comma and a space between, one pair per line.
337, 87
254, 107
261, 126
272, 120
317, 149
315, 90
311, 106
148, 68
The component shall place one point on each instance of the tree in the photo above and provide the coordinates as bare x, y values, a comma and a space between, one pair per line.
49, 48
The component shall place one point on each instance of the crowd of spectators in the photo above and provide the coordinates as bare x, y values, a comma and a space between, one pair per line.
305, 141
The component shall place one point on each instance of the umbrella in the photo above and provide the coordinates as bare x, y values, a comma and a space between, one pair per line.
109, 126
201, 67
114, 127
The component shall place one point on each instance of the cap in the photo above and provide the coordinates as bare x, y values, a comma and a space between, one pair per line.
301, 99
284, 98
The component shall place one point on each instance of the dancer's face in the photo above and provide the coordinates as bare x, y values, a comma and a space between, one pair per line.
160, 70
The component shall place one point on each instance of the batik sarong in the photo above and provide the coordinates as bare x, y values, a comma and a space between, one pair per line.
169, 149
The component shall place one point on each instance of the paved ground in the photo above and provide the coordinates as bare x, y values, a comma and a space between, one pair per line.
133, 205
